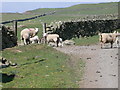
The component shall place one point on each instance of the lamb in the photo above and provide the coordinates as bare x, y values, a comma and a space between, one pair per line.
52, 38
28, 33
60, 42
35, 39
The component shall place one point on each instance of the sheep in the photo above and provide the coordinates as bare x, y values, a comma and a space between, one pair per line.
117, 38
25, 38
60, 42
107, 38
42, 40
28, 33
52, 38
35, 39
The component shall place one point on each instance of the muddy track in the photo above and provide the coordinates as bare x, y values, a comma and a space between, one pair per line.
101, 69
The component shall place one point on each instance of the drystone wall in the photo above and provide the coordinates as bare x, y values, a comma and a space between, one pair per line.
8, 38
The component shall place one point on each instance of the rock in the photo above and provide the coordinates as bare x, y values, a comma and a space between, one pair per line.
97, 71
89, 58
14, 64
96, 80
112, 75
69, 42
93, 49
5, 63
36, 57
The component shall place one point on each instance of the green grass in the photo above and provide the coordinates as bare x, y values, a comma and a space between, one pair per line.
40, 66
86, 41
83, 9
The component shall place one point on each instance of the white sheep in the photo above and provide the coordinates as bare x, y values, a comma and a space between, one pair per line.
52, 38
60, 42
28, 33
107, 38
117, 38
35, 39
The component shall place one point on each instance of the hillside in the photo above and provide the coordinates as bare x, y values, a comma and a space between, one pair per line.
83, 9
76, 11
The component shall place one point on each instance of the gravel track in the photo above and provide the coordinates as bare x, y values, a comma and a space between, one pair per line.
101, 69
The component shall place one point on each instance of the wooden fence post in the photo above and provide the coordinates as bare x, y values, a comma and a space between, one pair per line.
44, 31
44, 28
15, 27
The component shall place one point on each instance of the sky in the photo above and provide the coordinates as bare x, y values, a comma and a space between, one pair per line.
20, 6
59, 0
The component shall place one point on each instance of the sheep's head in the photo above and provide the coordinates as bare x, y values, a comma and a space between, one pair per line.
99, 34
115, 32
45, 34
36, 30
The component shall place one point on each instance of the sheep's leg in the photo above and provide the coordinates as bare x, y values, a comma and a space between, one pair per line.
117, 43
111, 44
57, 41
61, 44
25, 43
101, 45
28, 41
45, 40
38, 41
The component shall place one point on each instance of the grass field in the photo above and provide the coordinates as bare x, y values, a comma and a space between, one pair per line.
82, 9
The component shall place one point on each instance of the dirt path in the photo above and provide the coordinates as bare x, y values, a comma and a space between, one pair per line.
101, 69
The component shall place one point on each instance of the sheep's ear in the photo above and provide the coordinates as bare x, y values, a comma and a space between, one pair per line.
99, 33
115, 32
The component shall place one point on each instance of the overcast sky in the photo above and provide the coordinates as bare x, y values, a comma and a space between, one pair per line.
13, 6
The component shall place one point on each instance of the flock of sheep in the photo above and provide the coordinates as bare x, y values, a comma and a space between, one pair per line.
29, 35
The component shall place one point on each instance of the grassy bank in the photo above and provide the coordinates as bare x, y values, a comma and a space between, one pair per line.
86, 41
39, 66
